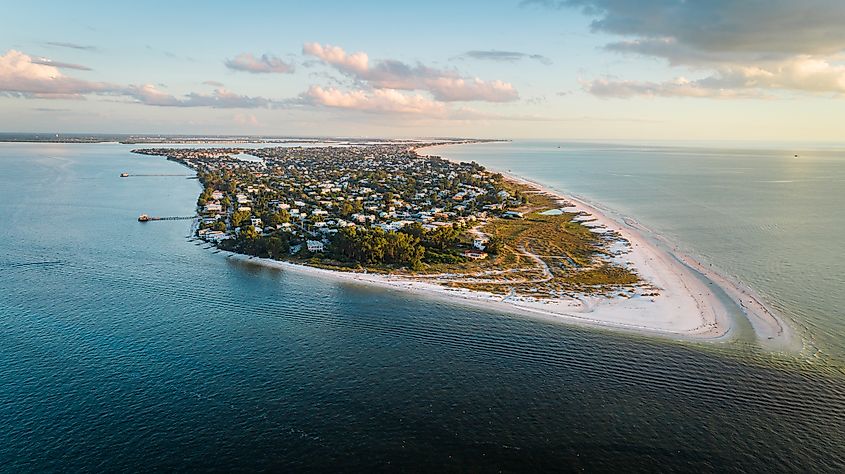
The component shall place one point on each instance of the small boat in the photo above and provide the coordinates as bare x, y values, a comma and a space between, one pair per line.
124, 175
143, 218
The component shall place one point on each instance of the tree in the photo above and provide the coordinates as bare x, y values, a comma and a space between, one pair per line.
442, 237
414, 229
238, 218
495, 245
248, 233
277, 247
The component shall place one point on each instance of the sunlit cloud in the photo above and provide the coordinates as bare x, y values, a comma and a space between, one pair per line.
744, 49
443, 85
378, 100
22, 75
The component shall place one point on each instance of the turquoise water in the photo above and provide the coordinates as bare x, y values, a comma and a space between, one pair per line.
126, 346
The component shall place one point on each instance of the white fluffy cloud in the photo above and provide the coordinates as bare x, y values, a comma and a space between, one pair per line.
23, 76
377, 100
20, 74
447, 86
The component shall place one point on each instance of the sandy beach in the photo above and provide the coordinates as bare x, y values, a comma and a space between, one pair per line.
686, 308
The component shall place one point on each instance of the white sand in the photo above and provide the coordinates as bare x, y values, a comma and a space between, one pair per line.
686, 308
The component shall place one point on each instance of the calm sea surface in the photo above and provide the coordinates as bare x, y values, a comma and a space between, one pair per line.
125, 346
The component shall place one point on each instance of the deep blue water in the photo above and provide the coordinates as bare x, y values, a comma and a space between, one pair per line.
125, 346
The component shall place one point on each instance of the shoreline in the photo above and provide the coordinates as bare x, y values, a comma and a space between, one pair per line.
686, 308
770, 330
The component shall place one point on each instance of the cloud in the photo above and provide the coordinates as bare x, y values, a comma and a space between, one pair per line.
745, 48
443, 85
61, 44
356, 63
803, 73
213, 83
767, 27
220, 98
679, 87
50, 62
504, 56
259, 65
378, 100
23, 76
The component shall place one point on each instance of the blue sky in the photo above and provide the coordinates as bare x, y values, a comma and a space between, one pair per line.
593, 69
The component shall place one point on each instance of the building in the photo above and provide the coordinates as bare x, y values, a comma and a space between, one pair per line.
213, 207
314, 245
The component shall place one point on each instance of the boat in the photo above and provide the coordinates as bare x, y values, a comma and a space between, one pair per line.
124, 175
143, 218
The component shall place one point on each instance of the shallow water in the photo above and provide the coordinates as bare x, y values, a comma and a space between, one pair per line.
761, 215
126, 346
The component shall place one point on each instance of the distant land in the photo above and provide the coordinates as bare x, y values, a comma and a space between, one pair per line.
200, 139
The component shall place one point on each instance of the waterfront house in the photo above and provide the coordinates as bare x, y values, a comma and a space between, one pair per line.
314, 245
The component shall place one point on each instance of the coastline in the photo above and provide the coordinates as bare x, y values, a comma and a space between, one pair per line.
770, 330
686, 309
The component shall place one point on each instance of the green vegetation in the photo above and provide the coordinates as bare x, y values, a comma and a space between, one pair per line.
385, 208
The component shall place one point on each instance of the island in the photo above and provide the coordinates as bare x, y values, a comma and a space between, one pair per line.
386, 213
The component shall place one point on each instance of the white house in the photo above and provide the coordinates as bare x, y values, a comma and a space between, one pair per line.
213, 207
314, 245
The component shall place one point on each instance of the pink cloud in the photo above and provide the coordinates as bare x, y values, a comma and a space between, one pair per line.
357, 63
378, 100
21, 74
443, 85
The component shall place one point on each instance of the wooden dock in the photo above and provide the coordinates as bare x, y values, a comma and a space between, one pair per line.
127, 175
146, 218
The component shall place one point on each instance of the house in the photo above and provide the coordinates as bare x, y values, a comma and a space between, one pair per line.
314, 245
213, 207
215, 236
475, 254
217, 195
479, 242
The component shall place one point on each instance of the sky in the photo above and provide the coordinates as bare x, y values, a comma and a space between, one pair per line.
555, 69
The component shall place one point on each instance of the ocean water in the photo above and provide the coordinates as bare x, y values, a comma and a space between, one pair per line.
757, 212
127, 346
